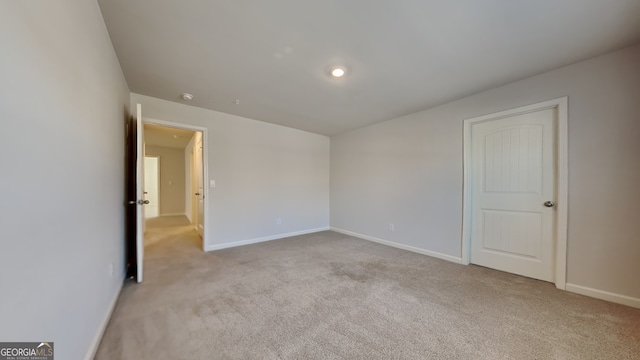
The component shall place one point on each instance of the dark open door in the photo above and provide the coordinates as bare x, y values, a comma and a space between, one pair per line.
135, 198
131, 198
130, 202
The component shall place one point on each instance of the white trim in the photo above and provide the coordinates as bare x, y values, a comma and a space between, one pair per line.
263, 239
561, 104
93, 349
205, 170
466, 194
604, 295
414, 249
562, 208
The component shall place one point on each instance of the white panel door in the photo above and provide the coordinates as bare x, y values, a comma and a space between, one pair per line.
513, 183
199, 186
139, 193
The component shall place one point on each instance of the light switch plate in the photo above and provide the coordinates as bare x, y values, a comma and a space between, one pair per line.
212, 183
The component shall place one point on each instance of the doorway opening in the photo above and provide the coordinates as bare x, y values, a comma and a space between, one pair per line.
173, 183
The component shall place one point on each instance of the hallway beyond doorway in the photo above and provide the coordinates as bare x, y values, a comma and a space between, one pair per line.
169, 229
182, 166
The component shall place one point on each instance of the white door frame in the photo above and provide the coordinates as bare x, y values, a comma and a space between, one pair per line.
205, 168
561, 143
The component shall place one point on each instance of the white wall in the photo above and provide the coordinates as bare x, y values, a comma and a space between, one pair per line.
172, 178
63, 104
262, 172
408, 171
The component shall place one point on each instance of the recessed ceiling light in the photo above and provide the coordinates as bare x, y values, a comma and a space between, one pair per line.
187, 96
337, 71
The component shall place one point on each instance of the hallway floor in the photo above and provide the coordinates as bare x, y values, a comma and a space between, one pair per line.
166, 228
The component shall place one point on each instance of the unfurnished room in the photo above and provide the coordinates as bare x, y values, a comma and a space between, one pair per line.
412, 179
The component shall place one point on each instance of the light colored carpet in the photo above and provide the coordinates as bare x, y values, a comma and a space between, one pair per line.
332, 296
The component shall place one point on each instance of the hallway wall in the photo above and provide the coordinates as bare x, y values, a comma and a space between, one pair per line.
172, 178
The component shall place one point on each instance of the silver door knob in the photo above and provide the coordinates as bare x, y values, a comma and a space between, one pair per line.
549, 204
143, 202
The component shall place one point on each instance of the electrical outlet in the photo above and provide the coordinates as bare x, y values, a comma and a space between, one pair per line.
279, 221
392, 227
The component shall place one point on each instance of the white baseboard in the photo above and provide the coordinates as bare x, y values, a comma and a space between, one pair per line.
93, 349
262, 239
414, 249
604, 295
173, 214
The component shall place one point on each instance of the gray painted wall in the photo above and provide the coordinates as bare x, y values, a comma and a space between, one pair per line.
408, 171
63, 103
262, 171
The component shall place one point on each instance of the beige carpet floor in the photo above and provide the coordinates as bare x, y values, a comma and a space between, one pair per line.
332, 296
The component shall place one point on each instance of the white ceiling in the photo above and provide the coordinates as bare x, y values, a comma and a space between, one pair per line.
402, 55
166, 136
